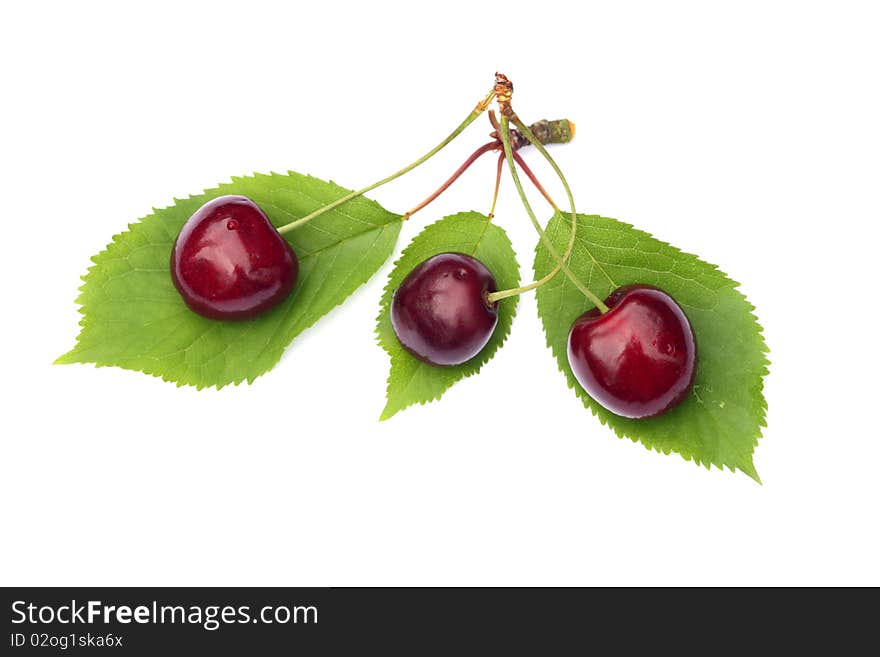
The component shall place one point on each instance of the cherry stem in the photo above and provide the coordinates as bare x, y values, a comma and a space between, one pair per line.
481, 107
493, 297
482, 150
561, 262
526, 170
477, 154
498, 171
527, 131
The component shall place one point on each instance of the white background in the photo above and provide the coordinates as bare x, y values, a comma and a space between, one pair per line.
748, 133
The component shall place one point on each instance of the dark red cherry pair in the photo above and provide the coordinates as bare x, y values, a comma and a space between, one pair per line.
638, 359
229, 262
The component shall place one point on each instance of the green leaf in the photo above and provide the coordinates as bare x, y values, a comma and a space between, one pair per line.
720, 423
134, 318
412, 381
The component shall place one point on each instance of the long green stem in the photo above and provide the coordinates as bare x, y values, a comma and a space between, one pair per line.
538, 144
479, 109
561, 262
498, 170
508, 153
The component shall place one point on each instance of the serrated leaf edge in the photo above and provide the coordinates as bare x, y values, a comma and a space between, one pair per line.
68, 358
588, 402
482, 357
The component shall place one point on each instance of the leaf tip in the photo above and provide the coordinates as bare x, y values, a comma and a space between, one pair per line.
65, 359
387, 413
749, 469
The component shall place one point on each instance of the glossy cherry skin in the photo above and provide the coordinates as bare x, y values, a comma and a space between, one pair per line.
637, 360
229, 262
440, 313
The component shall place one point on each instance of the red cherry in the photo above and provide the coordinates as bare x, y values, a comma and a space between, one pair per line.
440, 313
637, 360
229, 262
